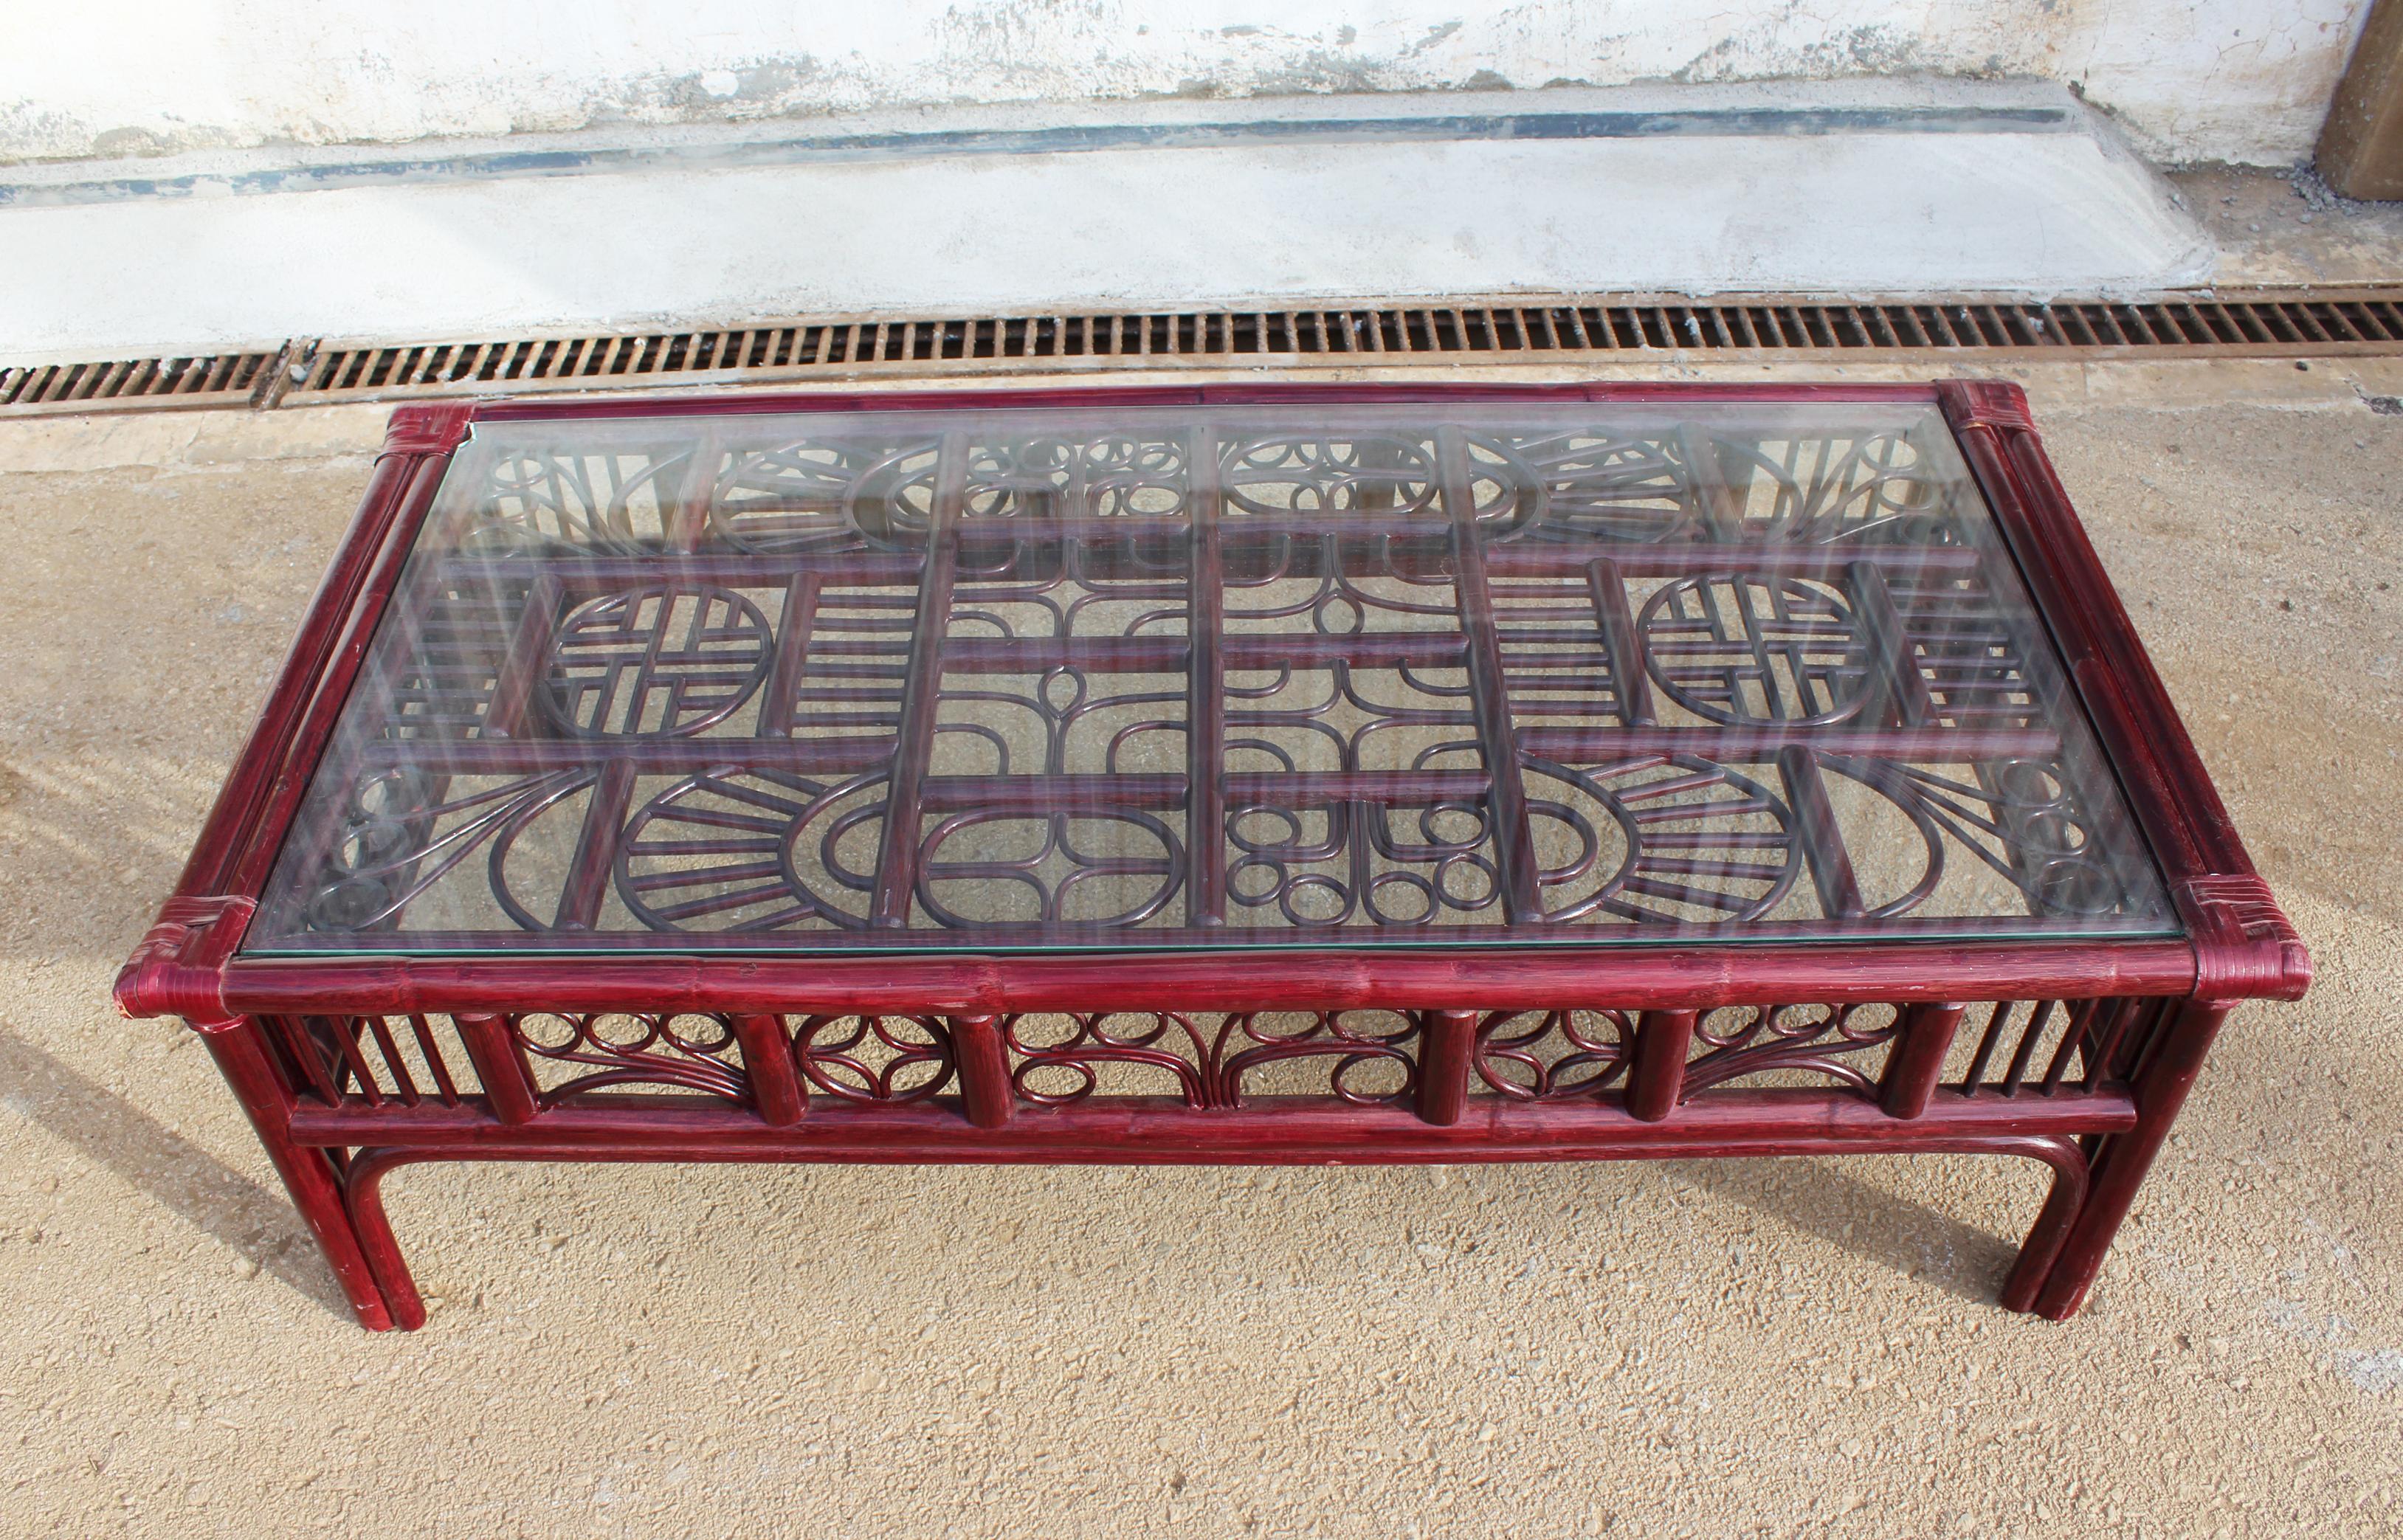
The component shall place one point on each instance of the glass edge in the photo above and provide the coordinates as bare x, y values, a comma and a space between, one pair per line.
2166, 929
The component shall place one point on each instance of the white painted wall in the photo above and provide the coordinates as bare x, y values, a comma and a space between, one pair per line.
1992, 207
2242, 80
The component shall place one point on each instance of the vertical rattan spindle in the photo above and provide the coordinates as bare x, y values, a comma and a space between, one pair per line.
508, 1087
1658, 1075
1922, 1041
777, 1091
984, 1070
1445, 1038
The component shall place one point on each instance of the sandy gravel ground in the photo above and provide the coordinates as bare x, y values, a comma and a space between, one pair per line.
1797, 1348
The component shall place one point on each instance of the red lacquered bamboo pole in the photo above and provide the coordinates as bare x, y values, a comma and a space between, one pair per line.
1823, 838
596, 848
776, 1088
1132, 654
897, 860
780, 696
1270, 1130
1071, 793
1205, 707
689, 501
1662, 1038
599, 570
1891, 644
508, 1086
308, 1175
362, 1193
288, 699
649, 756
983, 1062
1918, 745
1622, 641
1924, 1037
304, 733
970, 978
2042, 1247
839, 757
1258, 535
510, 712
2121, 1164
1445, 1040
1514, 845
1720, 508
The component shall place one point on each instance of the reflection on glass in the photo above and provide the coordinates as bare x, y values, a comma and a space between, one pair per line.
1255, 676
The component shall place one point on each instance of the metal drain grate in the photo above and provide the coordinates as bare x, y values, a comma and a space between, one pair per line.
223, 380
2270, 324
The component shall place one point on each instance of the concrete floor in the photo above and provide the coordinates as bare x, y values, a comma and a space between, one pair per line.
2272, 227
1776, 1348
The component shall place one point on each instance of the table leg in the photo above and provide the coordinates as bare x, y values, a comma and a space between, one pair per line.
2124, 1158
1446, 1040
2042, 1247
309, 1176
363, 1194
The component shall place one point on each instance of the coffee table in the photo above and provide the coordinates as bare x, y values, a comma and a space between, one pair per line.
1261, 774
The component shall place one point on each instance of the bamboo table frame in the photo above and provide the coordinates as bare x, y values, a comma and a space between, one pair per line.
356, 1045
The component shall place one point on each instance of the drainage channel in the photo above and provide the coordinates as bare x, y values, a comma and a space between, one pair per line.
2225, 324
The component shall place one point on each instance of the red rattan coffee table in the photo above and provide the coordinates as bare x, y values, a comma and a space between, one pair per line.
1227, 775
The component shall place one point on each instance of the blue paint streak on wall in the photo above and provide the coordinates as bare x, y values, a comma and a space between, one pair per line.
869, 148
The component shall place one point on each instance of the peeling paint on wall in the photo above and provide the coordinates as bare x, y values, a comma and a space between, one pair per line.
2191, 79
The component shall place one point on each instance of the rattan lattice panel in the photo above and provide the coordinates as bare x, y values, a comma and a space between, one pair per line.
1148, 676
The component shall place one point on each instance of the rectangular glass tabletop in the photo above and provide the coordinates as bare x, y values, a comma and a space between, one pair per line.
1259, 676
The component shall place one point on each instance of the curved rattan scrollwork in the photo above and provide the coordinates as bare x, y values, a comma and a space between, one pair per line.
829, 492
1664, 839
1049, 870
2019, 817
753, 850
661, 661
1402, 861
1287, 473
1822, 490
825, 495
1369, 1056
1059, 1059
1352, 588
1120, 475
1340, 718
1137, 584
689, 1051
1056, 714
1553, 1055
537, 501
1667, 838
1362, 1044
403, 830
1349, 861
1595, 485
1733, 648
763, 851
1744, 1040
875, 1058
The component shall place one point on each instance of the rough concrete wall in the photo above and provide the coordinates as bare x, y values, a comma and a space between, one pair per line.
2243, 80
